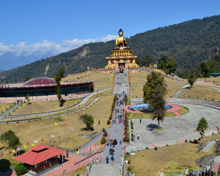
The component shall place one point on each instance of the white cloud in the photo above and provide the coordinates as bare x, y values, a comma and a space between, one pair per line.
48, 46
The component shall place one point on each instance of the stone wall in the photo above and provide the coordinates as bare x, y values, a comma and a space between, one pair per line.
88, 136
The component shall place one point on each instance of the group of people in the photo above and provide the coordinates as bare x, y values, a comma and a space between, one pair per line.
118, 115
112, 142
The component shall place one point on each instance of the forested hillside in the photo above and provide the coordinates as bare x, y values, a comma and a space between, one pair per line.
189, 43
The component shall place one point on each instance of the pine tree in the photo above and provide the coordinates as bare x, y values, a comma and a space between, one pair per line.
154, 94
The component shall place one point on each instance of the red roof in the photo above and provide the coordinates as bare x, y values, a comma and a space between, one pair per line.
40, 147
215, 167
40, 81
38, 154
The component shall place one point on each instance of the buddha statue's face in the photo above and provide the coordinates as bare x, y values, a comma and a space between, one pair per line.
120, 34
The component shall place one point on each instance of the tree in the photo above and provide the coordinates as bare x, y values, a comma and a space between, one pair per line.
88, 120
202, 125
162, 62
147, 61
58, 77
28, 99
138, 61
26, 78
192, 78
205, 68
11, 140
4, 164
171, 65
154, 94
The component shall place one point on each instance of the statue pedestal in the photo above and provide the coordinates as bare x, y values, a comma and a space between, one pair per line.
121, 59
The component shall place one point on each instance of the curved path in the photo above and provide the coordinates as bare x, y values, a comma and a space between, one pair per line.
66, 112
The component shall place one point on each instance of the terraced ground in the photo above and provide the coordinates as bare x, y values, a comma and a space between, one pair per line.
64, 135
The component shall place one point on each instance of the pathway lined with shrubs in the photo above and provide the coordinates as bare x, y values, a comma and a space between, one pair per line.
116, 132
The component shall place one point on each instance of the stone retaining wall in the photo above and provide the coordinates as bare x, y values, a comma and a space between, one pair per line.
88, 136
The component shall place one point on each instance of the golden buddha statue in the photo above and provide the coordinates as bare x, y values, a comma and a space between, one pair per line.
121, 41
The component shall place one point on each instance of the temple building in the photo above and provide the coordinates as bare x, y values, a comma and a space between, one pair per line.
121, 56
43, 86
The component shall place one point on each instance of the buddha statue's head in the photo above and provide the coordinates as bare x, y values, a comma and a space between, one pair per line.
120, 33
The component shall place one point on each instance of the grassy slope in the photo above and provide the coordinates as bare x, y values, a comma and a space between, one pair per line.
3, 107
141, 78
38, 107
30, 131
201, 92
150, 162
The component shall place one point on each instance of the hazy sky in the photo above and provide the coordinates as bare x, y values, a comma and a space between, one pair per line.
65, 24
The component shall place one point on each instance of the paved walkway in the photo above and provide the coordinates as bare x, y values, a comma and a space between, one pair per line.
121, 87
69, 166
105, 170
117, 129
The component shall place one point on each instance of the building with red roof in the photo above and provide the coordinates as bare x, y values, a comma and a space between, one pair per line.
43, 86
40, 157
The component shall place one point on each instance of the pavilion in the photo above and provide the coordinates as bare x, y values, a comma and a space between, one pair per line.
40, 157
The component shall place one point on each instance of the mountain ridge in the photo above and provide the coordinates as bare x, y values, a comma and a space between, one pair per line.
190, 43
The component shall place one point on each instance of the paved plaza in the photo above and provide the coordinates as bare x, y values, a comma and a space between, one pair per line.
175, 129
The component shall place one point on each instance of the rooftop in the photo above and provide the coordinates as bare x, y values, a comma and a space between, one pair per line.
39, 81
38, 154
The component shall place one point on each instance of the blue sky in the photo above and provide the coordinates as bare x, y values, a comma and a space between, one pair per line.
65, 24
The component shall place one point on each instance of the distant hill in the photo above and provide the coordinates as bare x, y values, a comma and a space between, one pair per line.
189, 43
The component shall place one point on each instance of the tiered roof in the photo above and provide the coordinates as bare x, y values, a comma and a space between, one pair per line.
38, 154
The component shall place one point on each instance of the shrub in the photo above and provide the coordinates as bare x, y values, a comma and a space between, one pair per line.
108, 122
20, 168
103, 140
202, 125
88, 120
105, 133
126, 139
129, 168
